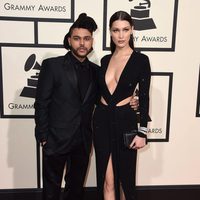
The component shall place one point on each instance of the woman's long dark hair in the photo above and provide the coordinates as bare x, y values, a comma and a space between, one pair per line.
121, 15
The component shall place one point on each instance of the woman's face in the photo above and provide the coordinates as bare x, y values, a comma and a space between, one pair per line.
120, 32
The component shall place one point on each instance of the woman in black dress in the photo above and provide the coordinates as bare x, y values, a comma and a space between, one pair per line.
119, 75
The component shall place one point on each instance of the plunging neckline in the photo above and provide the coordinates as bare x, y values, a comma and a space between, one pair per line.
120, 77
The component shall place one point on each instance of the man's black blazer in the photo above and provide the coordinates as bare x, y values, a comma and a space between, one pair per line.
59, 110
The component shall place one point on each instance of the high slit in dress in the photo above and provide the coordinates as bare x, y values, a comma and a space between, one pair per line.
110, 122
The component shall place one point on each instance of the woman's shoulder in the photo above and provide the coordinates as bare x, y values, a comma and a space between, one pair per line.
140, 58
141, 55
106, 58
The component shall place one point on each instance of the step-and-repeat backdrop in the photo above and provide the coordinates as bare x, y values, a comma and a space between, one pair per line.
167, 31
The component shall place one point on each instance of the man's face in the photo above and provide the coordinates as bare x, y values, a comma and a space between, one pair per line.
81, 42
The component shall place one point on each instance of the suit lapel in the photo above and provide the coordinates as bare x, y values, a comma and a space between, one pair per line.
72, 77
91, 85
71, 73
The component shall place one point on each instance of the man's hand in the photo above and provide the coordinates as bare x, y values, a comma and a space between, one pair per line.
43, 143
134, 102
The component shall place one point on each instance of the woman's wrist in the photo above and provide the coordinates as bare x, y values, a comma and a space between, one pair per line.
141, 135
143, 130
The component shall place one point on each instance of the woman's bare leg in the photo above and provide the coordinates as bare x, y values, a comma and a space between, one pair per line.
109, 188
122, 196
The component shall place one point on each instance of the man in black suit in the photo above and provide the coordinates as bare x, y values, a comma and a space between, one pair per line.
65, 98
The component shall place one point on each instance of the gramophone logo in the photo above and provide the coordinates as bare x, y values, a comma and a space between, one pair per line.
153, 30
141, 16
30, 89
19, 87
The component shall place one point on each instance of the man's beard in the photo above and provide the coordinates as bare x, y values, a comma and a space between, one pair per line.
75, 52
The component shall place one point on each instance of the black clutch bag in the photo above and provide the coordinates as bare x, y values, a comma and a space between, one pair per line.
128, 137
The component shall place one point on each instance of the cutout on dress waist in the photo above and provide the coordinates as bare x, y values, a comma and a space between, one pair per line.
121, 103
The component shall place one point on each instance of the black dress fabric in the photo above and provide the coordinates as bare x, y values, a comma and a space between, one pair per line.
111, 121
